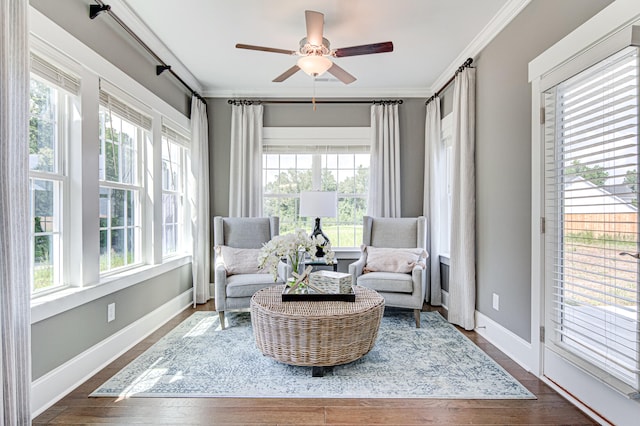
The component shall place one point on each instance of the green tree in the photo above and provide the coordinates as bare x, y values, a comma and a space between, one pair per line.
290, 182
596, 174
41, 146
631, 179
42, 125
350, 208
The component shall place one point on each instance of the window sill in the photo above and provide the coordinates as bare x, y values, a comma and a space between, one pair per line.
444, 259
57, 302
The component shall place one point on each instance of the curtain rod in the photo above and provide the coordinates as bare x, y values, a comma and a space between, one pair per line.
466, 64
97, 9
317, 101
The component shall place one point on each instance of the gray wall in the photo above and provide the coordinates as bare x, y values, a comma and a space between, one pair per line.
62, 337
411, 113
503, 155
104, 36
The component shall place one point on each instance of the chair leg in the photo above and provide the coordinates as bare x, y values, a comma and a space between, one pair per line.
416, 313
221, 315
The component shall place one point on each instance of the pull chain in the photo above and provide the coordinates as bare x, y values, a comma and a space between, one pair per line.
313, 100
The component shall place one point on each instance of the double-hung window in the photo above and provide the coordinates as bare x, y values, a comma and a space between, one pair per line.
174, 165
327, 159
123, 133
53, 105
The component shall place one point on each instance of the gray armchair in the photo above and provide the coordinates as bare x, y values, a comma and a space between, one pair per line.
233, 292
403, 290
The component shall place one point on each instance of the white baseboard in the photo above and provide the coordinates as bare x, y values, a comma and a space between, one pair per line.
508, 342
445, 299
50, 388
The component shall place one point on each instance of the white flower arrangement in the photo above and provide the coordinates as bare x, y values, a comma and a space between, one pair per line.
292, 247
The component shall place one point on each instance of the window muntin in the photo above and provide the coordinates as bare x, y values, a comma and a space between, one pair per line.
50, 117
173, 192
285, 175
349, 175
121, 143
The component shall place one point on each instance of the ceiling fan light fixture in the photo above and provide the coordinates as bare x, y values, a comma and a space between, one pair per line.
314, 65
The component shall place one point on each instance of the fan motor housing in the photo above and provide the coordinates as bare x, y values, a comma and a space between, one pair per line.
307, 48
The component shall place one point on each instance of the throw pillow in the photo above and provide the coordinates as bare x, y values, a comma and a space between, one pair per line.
402, 260
240, 261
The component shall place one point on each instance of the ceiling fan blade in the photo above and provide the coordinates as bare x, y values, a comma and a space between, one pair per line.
285, 75
265, 49
365, 49
341, 74
315, 27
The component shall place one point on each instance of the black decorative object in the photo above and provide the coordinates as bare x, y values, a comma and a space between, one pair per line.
318, 231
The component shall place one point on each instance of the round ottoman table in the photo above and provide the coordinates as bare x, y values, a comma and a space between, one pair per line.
315, 333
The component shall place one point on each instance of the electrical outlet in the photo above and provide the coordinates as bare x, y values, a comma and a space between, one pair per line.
111, 312
496, 302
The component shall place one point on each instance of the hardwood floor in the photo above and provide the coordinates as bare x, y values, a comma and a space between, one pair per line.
77, 408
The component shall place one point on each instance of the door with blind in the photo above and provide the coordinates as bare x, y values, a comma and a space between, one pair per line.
591, 209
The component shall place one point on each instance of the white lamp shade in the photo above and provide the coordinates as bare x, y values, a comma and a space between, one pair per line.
314, 65
319, 204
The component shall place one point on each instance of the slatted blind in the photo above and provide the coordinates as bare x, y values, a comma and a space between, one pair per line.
175, 136
315, 149
123, 110
46, 70
344, 140
591, 203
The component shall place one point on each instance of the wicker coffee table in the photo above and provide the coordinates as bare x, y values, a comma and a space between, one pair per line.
315, 333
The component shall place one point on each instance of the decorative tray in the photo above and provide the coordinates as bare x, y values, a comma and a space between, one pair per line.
314, 296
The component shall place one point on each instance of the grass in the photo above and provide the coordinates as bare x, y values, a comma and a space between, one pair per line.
117, 261
42, 277
594, 273
614, 241
344, 236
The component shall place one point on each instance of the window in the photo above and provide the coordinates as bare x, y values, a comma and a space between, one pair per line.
174, 153
121, 135
591, 150
53, 97
295, 161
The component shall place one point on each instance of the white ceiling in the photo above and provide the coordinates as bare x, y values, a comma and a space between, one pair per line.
431, 39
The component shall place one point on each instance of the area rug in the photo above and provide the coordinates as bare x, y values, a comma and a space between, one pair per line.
198, 359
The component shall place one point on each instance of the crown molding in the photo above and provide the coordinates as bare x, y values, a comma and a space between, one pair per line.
131, 19
505, 15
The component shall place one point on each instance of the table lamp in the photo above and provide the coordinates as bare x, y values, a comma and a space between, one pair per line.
319, 204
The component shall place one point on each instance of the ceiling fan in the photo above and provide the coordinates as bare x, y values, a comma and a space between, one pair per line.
315, 51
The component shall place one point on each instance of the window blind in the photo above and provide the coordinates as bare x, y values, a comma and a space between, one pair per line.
125, 111
591, 209
175, 136
315, 149
46, 70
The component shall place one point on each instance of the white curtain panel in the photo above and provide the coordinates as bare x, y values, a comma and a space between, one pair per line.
15, 288
199, 200
433, 176
384, 180
462, 279
245, 180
